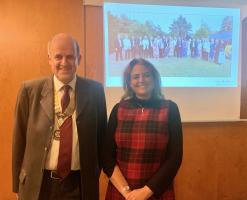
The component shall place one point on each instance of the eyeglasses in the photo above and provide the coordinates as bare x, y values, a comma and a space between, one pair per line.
145, 75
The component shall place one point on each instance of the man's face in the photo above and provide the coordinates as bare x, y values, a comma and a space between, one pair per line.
63, 58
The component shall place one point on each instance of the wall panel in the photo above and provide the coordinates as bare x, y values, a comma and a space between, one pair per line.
243, 110
26, 27
94, 43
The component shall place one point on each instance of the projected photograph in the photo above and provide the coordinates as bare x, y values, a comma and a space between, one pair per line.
190, 46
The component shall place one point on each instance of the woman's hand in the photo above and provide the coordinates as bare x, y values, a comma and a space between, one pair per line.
139, 194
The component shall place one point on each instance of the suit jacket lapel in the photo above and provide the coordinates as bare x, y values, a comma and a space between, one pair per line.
47, 99
81, 96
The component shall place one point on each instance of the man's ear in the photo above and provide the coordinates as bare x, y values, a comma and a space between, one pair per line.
78, 60
49, 59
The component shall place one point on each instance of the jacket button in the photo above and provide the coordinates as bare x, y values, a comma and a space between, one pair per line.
45, 148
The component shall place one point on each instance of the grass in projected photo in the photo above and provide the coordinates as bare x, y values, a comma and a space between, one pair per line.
174, 67
179, 47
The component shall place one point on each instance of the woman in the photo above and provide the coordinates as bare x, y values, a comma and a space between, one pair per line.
143, 146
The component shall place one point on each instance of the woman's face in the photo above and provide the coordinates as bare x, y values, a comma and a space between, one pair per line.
141, 82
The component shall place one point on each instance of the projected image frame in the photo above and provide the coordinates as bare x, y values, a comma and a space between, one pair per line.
190, 46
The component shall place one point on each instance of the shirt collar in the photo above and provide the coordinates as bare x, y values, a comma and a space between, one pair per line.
58, 84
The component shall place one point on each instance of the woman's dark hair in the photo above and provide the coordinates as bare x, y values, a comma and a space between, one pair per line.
128, 92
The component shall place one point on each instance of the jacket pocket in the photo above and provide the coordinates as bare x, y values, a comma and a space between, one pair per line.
22, 176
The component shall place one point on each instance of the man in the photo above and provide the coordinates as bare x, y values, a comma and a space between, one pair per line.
58, 127
118, 48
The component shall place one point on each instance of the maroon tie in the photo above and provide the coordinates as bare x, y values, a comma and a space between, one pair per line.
65, 98
65, 148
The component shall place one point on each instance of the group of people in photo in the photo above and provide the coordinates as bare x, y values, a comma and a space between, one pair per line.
215, 50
